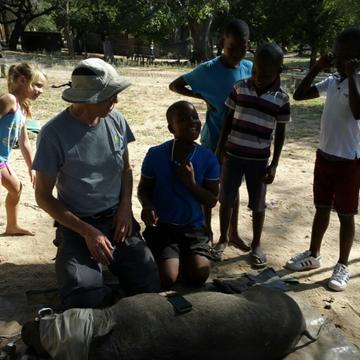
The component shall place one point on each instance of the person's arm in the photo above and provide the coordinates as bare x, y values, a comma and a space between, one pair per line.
351, 68
305, 89
181, 87
206, 195
279, 139
97, 243
7, 104
123, 218
26, 151
224, 133
145, 192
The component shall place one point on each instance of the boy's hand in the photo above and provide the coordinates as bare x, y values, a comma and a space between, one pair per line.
325, 61
149, 216
186, 173
270, 174
351, 66
220, 154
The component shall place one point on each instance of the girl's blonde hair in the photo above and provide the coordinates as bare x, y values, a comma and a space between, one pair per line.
31, 73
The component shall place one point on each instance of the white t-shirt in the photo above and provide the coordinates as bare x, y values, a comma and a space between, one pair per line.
339, 131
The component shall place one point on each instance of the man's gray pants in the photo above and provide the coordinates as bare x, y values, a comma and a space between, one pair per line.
80, 277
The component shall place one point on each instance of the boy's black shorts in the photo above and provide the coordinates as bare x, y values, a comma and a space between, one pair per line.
167, 241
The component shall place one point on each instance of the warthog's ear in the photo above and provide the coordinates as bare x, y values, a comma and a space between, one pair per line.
30, 334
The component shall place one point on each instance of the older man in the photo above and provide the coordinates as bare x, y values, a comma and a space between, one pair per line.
83, 152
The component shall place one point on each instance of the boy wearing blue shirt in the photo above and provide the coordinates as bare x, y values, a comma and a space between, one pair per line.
212, 82
178, 177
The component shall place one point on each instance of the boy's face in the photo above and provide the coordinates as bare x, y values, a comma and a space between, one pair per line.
234, 49
343, 53
264, 73
185, 124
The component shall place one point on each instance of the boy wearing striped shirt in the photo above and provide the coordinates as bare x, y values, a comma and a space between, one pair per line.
256, 107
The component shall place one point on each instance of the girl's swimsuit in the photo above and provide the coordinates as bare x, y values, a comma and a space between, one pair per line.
10, 127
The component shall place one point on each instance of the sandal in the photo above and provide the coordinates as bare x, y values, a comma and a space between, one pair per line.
258, 260
217, 251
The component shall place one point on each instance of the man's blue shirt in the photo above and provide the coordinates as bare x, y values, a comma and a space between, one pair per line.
214, 81
173, 202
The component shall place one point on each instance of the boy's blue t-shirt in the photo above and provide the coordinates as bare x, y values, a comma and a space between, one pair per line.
214, 81
173, 202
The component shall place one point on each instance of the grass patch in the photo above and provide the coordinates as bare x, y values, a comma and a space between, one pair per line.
305, 120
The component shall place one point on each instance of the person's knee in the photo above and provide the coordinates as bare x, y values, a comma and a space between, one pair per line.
168, 280
347, 220
323, 212
198, 278
169, 274
197, 270
15, 192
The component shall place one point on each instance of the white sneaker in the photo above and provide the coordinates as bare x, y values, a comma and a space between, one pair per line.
304, 261
340, 277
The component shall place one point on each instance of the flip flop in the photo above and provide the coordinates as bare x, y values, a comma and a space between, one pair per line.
258, 260
217, 251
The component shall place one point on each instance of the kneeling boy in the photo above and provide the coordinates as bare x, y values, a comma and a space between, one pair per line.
178, 177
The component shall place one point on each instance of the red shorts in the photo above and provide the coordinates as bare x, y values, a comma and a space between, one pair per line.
336, 184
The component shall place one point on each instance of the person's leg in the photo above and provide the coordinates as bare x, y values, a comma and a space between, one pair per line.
254, 175
169, 272
207, 220
347, 233
14, 187
231, 177
234, 237
319, 227
257, 223
323, 191
196, 269
79, 276
135, 267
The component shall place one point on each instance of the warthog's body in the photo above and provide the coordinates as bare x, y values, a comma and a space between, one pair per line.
261, 323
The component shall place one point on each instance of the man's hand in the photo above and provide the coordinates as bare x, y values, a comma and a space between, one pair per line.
352, 66
149, 216
185, 171
270, 174
122, 223
99, 245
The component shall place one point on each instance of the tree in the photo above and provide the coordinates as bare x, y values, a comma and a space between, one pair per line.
21, 13
155, 19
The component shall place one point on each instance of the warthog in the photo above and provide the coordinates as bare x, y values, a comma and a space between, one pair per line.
261, 323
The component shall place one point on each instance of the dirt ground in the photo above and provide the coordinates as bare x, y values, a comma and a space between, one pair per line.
27, 262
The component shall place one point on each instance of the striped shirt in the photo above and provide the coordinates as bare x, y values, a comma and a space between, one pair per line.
255, 118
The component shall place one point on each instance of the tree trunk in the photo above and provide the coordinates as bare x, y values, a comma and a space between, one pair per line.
19, 28
68, 33
6, 27
200, 34
313, 55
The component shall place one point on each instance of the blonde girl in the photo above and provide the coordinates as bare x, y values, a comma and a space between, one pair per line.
25, 84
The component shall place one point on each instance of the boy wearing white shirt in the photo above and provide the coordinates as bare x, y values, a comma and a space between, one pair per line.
337, 166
